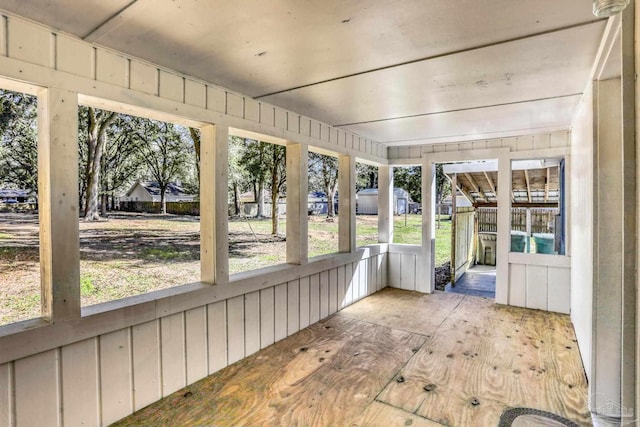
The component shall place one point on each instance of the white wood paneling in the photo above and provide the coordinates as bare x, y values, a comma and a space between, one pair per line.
342, 284
112, 68
536, 287
172, 341
394, 270
143, 78
147, 387
235, 105
280, 316
3, 35
252, 323
314, 298
518, 285
29, 43
348, 285
6, 393
196, 343
217, 334
266, 317
36, 383
333, 290
559, 290
235, 328
171, 86
267, 114
252, 110
216, 99
324, 294
408, 272
195, 93
293, 307
73, 56
304, 302
355, 282
280, 118
115, 376
80, 379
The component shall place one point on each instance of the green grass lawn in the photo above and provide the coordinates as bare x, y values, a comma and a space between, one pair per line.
411, 234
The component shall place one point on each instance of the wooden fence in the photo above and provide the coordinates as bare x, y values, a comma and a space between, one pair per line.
541, 219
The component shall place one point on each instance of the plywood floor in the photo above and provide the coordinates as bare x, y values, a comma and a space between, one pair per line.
396, 358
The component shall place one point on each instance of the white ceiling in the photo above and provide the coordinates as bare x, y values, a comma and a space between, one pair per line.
398, 71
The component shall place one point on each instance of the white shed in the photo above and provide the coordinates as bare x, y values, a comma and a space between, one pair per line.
367, 201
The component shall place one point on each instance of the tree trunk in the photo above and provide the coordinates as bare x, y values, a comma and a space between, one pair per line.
260, 199
195, 136
236, 198
163, 201
96, 142
275, 225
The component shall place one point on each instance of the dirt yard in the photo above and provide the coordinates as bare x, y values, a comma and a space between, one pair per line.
131, 254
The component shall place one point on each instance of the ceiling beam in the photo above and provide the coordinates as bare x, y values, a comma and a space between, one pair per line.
114, 21
526, 179
490, 182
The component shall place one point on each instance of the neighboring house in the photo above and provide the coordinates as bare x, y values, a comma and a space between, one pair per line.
461, 202
11, 195
149, 191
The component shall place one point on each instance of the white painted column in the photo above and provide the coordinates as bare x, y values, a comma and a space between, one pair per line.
385, 204
426, 268
297, 190
503, 243
214, 231
347, 203
58, 203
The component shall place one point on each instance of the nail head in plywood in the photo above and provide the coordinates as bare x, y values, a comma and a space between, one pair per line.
111, 68
37, 380
28, 42
80, 378
235, 105
115, 376
74, 57
195, 93
145, 339
216, 99
143, 78
171, 86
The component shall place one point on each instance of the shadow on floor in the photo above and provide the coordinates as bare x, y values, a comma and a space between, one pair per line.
479, 281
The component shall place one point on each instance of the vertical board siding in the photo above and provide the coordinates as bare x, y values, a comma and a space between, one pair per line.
293, 307
73, 56
6, 394
518, 285
196, 342
144, 78
171, 86
314, 298
324, 294
29, 43
216, 99
147, 387
115, 376
111, 68
217, 334
266, 318
195, 93
280, 315
235, 105
36, 390
251, 323
559, 289
304, 302
341, 287
394, 270
348, 285
80, 383
333, 290
536, 287
540, 287
172, 339
408, 272
235, 328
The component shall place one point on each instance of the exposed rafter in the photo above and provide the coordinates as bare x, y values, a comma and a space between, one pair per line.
490, 182
546, 185
526, 179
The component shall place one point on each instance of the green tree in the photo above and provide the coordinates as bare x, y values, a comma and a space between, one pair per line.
323, 176
18, 141
164, 152
366, 176
410, 179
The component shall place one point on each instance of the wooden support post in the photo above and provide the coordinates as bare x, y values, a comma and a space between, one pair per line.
59, 204
426, 268
503, 243
526, 179
297, 190
347, 203
214, 228
385, 204
454, 190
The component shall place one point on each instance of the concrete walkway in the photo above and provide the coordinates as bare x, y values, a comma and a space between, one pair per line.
479, 280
